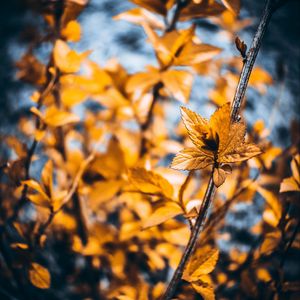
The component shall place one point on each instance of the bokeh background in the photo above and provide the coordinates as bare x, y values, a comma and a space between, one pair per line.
279, 55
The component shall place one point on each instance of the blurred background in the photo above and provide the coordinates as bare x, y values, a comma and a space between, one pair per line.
279, 55
108, 38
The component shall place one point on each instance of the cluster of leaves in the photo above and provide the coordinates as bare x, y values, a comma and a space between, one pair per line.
106, 219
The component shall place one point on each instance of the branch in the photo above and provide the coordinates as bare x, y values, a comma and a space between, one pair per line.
237, 101
144, 127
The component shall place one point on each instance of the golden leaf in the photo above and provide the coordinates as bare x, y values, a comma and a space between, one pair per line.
292, 184
41, 199
180, 48
55, 117
219, 176
191, 159
233, 5
217, 141
271, 241
202, 263
72, 31
163, 213
178, 83
139, 16
67, 60
150, 183
157, 6
200, 10
142, 82
204, 289
39, 276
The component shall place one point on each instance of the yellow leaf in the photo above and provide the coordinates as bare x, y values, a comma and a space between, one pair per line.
111, 164
204, 289
219, 176
72, 31
193, 54
71, 96
47, 177
233, 5
139, 16
271, 199
55, 117
157, 6
191, 159
42, 199
202, 263
19, 246
142, 82
150, 182
201, 10
289, 185
39, 276
178, 83
67, 60
217, 141
191, 120
259, 79
271, 241
103, 191
163, 213
292, 184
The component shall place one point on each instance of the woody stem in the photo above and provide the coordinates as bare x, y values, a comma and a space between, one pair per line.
270, 6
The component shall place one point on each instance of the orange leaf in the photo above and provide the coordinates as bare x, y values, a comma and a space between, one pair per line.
39, 276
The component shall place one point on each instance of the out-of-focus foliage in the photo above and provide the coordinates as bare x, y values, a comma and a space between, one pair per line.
105, 218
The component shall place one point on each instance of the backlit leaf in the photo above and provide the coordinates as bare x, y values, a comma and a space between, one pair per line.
150, 182
163, 213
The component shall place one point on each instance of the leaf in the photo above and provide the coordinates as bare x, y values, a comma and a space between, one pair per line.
241, 153
289, 185
163, 213
200, 10
271, 199
139, 16
142, 82
271, 241
233, 5
47, 177
39, 276
67, 60
292, 184
219, 176
192, 120
191, 159
202, 263
157, 6
193, 54
72, 31
55, 117
259, 79
150, 182
204, 289
42, 199
178, 83
217, 141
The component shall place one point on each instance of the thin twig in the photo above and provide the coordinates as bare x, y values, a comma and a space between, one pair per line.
68, 197
237, 101
144, 126
181, 192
